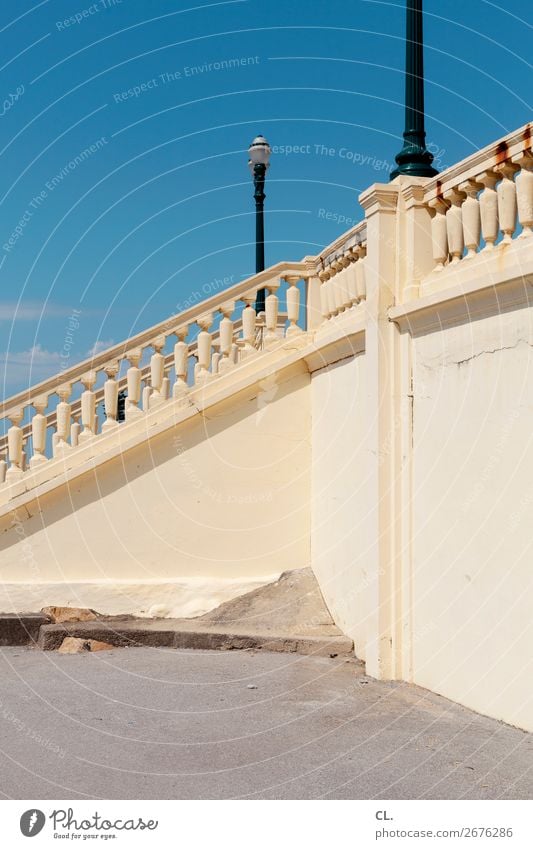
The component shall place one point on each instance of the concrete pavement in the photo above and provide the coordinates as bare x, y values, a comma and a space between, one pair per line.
164, 723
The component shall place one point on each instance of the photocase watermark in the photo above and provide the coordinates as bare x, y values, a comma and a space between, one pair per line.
337, 218
210, 288
96, 826
188, 71
88, 12
72, 325
11, 99
200, 485
355, 157
23, 728
50, 186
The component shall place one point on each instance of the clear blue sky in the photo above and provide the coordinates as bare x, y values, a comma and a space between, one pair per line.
163, 205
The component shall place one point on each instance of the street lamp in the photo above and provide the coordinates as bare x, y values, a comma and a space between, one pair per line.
259, 151
414, 159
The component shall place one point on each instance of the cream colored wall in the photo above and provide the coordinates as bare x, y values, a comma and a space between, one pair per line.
340, 505
221, 500
472, 515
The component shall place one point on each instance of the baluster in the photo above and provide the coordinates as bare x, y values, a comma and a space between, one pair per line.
3, 470
181, 364
439, 232
344, 282
110, 397
157, 371
247, 343
360, 279
488, 207
204, 343
507, 207
454, 224
75, 430
63, 415
146, 393
225, 333
471, 217
165, 388
332, 301
272, 312
524, 192
235, 353
15, 439
88, 407
323, 276
38, 432
133, 378
337, 285
293, 306
216, 356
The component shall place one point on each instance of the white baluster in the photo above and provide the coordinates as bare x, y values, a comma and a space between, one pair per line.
488, 207
146, 393
181, 364
235, 353
524, 192
471, 217
225, 335
110, 397
293, 306
336, 267
165, 388
344, 281
360, 279
323, 276
133, 377
351, 283
88, 407
38, 432
507, 207
3, 470
247, 342
63, 416
15, 439
439, 232
215, 361
454, 224
204, 342
157, 371
272, 312
75, 431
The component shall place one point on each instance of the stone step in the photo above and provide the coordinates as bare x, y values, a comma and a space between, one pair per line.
20, 629
178, 634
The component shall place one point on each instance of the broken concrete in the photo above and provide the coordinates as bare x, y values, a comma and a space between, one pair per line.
75, 645
288, 616
69, 614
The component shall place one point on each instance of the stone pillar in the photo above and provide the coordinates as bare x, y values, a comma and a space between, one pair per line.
385, 358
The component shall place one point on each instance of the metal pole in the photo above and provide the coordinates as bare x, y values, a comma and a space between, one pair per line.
414, 159
259, 195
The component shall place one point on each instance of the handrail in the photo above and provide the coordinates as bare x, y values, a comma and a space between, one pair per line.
48, 386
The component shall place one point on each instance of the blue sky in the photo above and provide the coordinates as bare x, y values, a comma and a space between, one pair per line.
159, 207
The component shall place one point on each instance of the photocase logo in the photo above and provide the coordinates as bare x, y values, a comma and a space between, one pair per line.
32, 822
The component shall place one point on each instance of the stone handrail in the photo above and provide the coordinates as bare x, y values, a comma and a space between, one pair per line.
479, 203
342, 272
223, 340
220, 343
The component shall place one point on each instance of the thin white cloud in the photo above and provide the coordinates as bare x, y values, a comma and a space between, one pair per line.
99, 346
33, 311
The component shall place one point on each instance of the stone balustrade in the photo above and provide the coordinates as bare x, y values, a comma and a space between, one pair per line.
484, 202
161, 365
342, 274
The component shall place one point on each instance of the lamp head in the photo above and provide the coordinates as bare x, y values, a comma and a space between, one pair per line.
259, 151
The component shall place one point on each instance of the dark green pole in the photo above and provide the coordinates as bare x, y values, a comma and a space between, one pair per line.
259, 195
414, 158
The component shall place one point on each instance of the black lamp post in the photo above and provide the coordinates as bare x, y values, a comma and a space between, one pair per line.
259, 151
414, 159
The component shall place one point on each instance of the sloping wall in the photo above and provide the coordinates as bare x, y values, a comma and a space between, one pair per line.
221, 501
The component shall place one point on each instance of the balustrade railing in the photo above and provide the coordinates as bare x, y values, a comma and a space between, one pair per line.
484, 202
342, 274
56, 416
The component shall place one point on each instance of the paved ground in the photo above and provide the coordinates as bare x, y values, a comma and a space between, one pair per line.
162, 723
